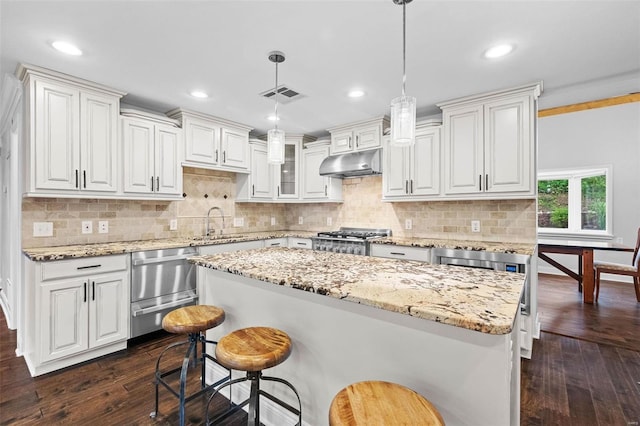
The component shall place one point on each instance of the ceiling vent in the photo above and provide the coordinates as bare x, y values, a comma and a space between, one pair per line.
285, 94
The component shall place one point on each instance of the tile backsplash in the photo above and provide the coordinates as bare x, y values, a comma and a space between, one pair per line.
508, 220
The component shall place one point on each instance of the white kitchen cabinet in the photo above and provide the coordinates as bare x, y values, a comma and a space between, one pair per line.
301, 243
72, 135
212, 142
152, 159
489, 144
259, 184
413, 172
358, 136
287, 176
75, 310
314, 186
421, 254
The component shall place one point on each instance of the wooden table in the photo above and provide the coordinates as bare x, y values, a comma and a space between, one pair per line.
584, 251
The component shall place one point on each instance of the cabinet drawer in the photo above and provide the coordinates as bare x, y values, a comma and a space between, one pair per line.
276, 242
85, 266
401, 252
303, 243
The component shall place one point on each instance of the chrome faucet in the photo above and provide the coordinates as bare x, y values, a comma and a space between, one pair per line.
207, 228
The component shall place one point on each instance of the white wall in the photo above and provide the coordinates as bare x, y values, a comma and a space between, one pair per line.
602, 136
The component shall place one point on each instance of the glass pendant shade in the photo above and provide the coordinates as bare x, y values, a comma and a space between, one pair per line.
275, 146
403, 121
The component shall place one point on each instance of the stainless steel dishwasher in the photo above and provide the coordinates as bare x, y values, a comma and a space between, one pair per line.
161, 280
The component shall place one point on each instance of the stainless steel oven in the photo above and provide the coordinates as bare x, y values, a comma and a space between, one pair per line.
161, 280
508, 262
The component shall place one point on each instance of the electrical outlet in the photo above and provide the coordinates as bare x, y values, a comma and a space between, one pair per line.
408, 224
103, 227
43, 229
475, 226
273, 221
329, 221
87, 227
300, 220
173, 225
238, 221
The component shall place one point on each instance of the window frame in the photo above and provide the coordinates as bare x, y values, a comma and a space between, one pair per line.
574, 177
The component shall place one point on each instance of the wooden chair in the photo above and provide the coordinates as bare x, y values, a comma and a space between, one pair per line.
632, 270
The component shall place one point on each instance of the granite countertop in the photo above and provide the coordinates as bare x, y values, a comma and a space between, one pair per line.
42, 254
472, 298
518, 248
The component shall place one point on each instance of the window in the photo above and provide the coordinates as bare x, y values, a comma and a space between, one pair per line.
575, 201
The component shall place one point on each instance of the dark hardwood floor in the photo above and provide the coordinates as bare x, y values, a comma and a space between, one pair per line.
590, 380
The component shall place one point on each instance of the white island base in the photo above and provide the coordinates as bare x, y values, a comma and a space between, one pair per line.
472, 378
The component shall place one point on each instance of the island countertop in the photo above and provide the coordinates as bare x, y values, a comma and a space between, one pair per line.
517, 248
476, 299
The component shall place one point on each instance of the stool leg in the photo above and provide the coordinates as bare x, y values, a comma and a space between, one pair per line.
193, 347
158, 376
254, 398
282, 403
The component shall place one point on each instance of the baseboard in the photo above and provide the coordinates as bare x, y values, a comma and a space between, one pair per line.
271, 414
4, 303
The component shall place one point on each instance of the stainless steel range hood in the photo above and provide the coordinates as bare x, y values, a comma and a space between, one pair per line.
353, 164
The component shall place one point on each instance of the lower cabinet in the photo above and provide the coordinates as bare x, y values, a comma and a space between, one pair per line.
401, 252
297, 242
79, 310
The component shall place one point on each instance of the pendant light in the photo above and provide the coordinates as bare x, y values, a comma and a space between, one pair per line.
275, 136
403, 108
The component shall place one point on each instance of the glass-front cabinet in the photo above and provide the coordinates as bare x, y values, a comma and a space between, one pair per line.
288, 172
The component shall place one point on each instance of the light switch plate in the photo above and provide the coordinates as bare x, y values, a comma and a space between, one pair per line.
300, 220
475, 226
329, 221
103, 227
273, 221
408, 224
43, 229
87, 227
173, 225
238, 221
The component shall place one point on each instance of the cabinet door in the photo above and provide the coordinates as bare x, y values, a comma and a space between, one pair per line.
395, 179
138, 148
314, 185
57, 136
108, 309
168, 169
464, 151
341, 142
98, 142
63, 319
288, 173
507, 145
368, 137
235, 149
202, 142
425, 163
262, 186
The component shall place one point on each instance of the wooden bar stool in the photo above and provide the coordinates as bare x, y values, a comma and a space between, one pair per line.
194, 321
252, 350
381, 403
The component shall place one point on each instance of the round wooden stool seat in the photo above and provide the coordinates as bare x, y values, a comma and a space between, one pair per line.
253, 348
381, 403
192, 319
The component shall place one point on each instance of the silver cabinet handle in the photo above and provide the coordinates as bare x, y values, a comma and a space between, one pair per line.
85, 291
412, 186
325, 190
93, 290
406, 186
216, 155
397, 253
79, 268
357, 140
253, 190
151, 183
349, 141
157, 308
76, 178
480, 181
158, 183
224, 156
138, 262
486, 182
84, 178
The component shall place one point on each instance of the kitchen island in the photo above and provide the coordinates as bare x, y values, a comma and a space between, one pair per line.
446, 332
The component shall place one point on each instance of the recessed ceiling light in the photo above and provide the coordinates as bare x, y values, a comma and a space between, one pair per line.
498, 51
199, 94
273, 118
356, 93
68, 48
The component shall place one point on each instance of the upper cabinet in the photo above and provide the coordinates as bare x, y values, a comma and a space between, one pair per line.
358, 136
411, 173
258, 185
71, 130
314, 186
213, 143
152, 151
490, 144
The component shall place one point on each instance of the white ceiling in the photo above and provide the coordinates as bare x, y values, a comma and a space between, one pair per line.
158, 51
